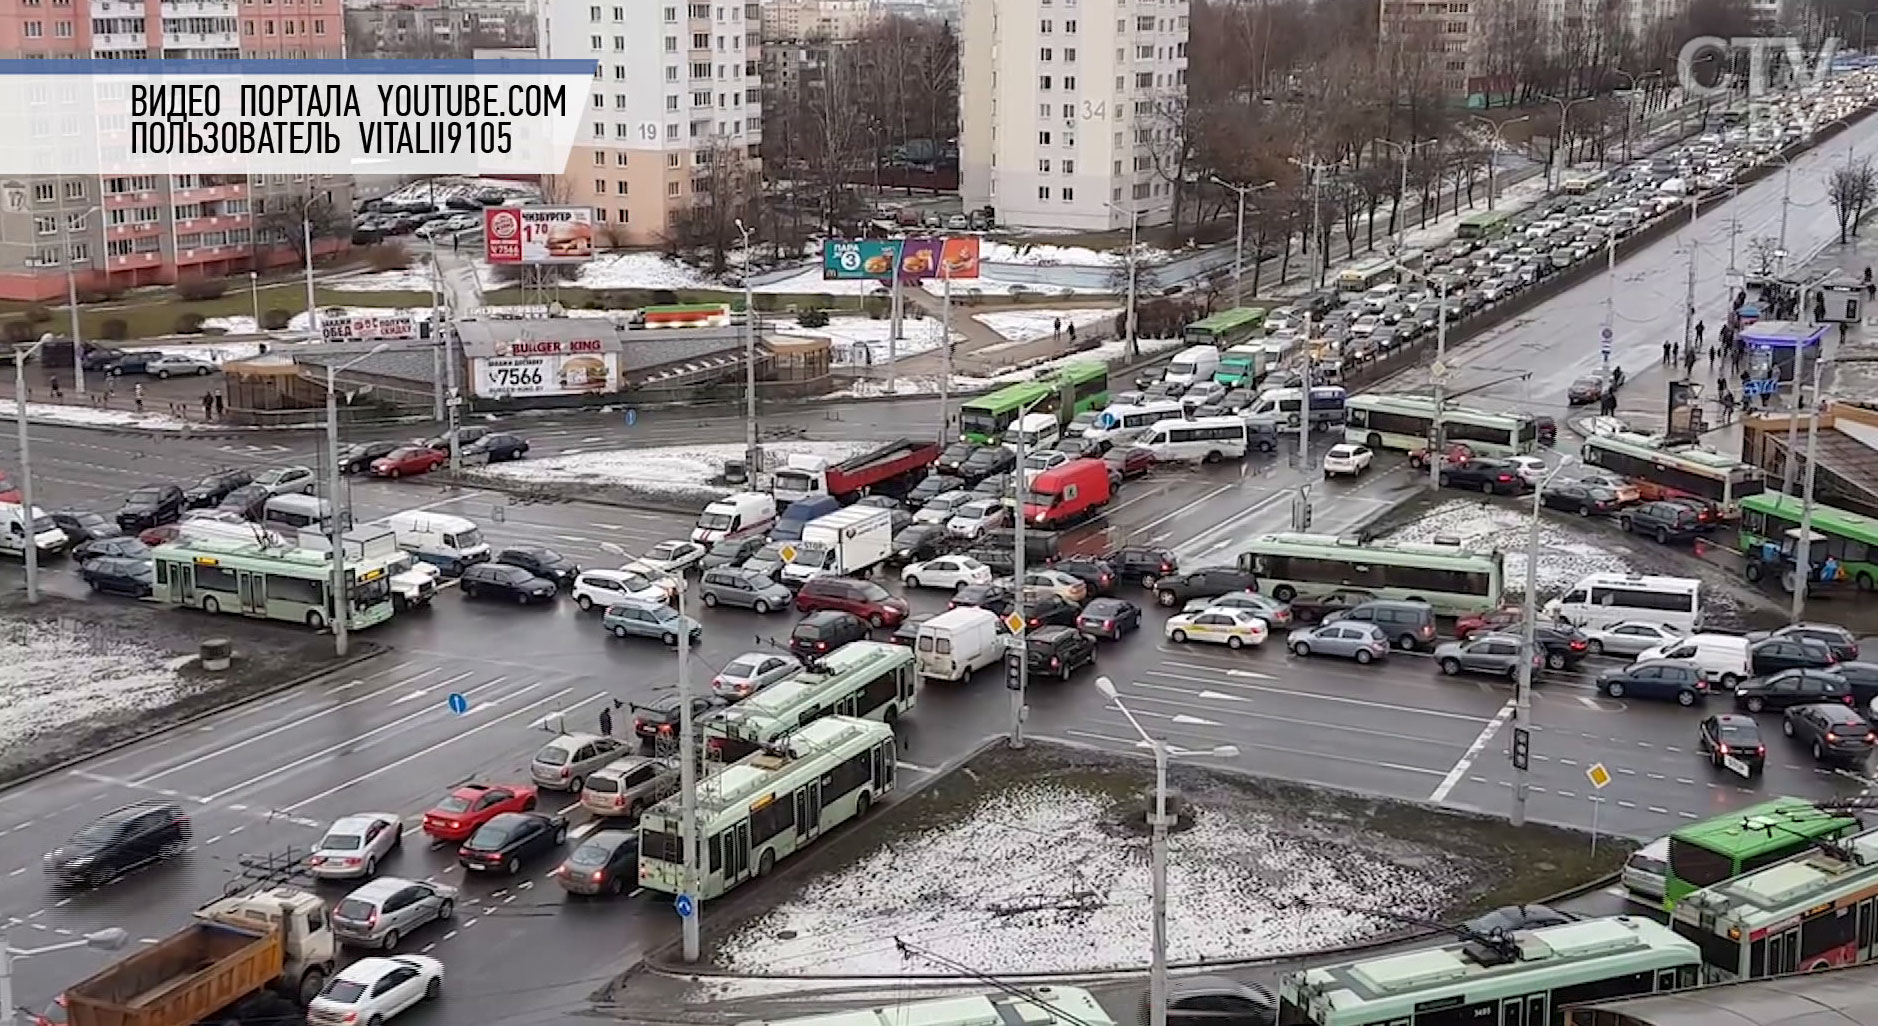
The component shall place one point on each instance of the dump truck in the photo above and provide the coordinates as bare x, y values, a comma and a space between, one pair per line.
889, 470
247, 960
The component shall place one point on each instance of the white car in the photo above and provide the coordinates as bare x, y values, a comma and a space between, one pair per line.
354, 845
940, 507
1055, 582
1345, 458
176, 365
1630, 637
674, 557
1366, 325
975, 518
1043, 459
751, 672
1234, 628
372, 990
667, 582
603, 588
947, 572
1531, 468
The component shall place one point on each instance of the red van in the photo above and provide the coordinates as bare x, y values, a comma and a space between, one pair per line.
1067, 494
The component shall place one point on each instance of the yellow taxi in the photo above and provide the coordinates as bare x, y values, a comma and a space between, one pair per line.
1234, 628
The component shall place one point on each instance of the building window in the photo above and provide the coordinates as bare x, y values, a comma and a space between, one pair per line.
671, 160
1043, 166
1141, 190
599, 158
624, 215
619, 160
1070, 26
45, 191
75, 188
671, 103
62, 29
1069, 167
599, 130
593, 42
1043, 138
619, 44
46, 225
1043, 81
1069, 81
1144, 80
1044, 27
1069, 194
599, 213
671, 44
671, 15
619, 188
619, 14
700, 40
599, 186
1043, 192
671, 188
593, 14
1043, 54
33, 31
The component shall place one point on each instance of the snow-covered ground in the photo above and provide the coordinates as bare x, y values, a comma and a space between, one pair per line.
441, 190
1565, 555
999, 287
1044, 254
1039, 877
675, 469
87, 416
1022, 326
218, 352
58, 675
862, 341
1440, 231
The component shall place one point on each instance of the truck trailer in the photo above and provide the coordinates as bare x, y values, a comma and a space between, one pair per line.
889, 470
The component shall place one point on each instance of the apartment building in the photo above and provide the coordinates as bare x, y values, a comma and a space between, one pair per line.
819, 19
1060, 107
437, 28
677, 84
1459, 34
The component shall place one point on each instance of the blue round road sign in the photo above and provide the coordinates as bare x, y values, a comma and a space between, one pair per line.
684, 906
458, 704
632, 417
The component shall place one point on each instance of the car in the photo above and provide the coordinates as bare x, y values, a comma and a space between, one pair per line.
1836, 734
606, 862
121, 546
1579, 497
496, 447
1175, 588
1797, 686
1272, 611
1037, 461
1839, 641
1626, 492
132, 361
637, 618
986, 461
1677, 680
510, 839
1050, 608
469, 806
952, 457
372, 990
1664, 521
1054, 582
408, 461
1097, 576
151, 506
1508, 919
380, 913
973, 519
358, 457
354, 845
730, 552
133, 577
931, 485
544, 563
1494, 619
1126, 462
907, 634
1364, 642
1058, 651
81, 526
175, 365
1732, 736
1561, 644
767, 560
1327, 606
745, 589
917, 541
1492, 476
947, 572
119, 841
605, 587
1587, 388
864, 599
677, 556
287, 480
1348, 459
212, 488
564, 763
825, 630
659, 719
751, 672
247, 502
1491, 653
501, 581
1788, 652
1863, 678
996, 596
1216, 1001
939, 509
1234, 628
1109, 618
466, 436
1630, 637
1146, 565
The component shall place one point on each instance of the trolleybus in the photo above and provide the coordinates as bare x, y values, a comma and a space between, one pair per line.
1663, 470
1456, 581
1851, 538
270, 582
1065, 392
1407, 422
1226, 328
869, 680
1715, 850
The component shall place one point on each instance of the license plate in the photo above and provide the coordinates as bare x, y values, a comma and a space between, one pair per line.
1735, 766
476, 865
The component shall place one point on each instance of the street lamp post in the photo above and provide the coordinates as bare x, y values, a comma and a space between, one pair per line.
254, 297
1803, 549
109, 939
1630, 100
20, 355
1558, 137
1403, 151
1321, 263
1238, 235
1134, 247
1157, 969
335, 522
71, 289
1439, 375
1864, 19
1529, 613
1021, 686
752, 456
1499, 144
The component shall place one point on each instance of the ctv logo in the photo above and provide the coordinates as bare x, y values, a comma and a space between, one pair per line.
1770, 60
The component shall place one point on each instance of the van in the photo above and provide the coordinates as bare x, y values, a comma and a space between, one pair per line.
1723, 659
1284, 406
1599, 600
1410, 626
47, 538
1205, 439
1192, 365
1038, 431
958, 643
1646, 873
742, 515
1067, 494
788, 527
444, 540
1122, 421
292, 513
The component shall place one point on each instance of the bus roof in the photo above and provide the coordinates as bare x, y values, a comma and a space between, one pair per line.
775, 710
1436, 555
1485, 217
1763, 828
1424, 405
215, 549
1010, 397
758, 777
1831, 519
1080, 372
1036, 1006
1227, 320
1652, 447
1785, 889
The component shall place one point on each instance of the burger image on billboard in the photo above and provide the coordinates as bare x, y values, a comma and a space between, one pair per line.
570, 240
583, 374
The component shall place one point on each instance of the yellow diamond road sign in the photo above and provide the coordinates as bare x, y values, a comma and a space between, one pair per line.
788, 553
1014, 622
1599, 775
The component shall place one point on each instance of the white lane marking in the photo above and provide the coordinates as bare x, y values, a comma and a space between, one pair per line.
1137, 743
635, 892
1188, 508
1221, 697
1473, 752
580, 831
914, 767
1321, 697
1194, 721
569, 807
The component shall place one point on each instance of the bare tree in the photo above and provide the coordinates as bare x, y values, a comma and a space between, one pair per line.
722, 188
1851, 189
290, 219
556, 189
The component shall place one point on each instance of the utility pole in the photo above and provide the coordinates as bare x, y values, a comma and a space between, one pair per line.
1238, 236
31, 550
1134, 257
1688, 301
1019, 676
71, 293
1529, 611
453, 404
688, 780
312, 310
1437, 444
752, 456
945, 363
341, 601
1610, 305
1802, 553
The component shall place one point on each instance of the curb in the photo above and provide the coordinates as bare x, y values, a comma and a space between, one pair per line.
369, 650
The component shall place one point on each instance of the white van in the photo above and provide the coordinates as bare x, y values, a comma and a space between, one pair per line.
1646, 872
47, 538
1192, 364
1123, 420
1600, 600
1207, 439
1038, 430
1722, 658
735, 516
1284, 406
289, 514
443, 540
957, 643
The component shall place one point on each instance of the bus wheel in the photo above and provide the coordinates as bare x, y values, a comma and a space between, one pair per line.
767, 862
863, 804
316, 620
1864, 581
209, 605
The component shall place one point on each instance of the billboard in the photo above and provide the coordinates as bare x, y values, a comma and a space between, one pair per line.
917, 259
547, 367
537, 235
861, 259
379, 328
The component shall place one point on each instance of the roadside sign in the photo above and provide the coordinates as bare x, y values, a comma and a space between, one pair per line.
1013, 621
1735, 766
788, 553
632, 416
686, 908
458, 704
1604, 340
1598, 775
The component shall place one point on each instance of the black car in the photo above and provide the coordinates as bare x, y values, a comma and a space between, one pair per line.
498, 447
1002, 561
1770, 655
996, 597
1494, 477
1564, 645
986, 461
131, 362
1863, 677
918, 542
1839, 641
1732, 736
511, 838
1176, 588
1109, 618
825, 630
952, 458
1147, 565
1058, 651
1096, 573
1216, 1001
99, 358
119, 576
1674, 680
1051, 609
502, 581
150, 506
246, 502
1664, 521
607, 862
357, 458
1836, 734
730, 552
1580, 498
930, 486
121, 546
120, 840
81, 526
907, 633
213, 488
660, 717
544, 563
1792, 687
1508, 919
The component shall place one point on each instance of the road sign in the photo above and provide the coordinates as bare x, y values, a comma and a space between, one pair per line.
458, 704
686, 908
1605, 333
1598, 775
788, 553
1604, 340
1011, 620
632, 417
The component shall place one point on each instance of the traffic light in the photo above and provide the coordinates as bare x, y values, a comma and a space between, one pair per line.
1014, 669
1522, 747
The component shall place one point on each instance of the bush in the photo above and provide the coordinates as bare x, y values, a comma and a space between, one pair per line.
37, 314
388, 256
105, 294
813, 319
16, 331
768, 302
275, 319
197, 289
664, 297
115, 329
189, 323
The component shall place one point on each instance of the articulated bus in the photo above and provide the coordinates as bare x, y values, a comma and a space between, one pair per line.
1071, 389
1851, 538
1226, 328
1662, 471
1527, 981
1407, 422
868, 680
766, 807
1716, 850
1487, 224
1454, 580
269, 582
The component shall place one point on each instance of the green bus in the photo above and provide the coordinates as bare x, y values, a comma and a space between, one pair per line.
764, 808
868, 680
1071, 389
1081, 387
1851, 538
1454, 580
1524, 980
1406, 422
1226, 328
1487, 224
1707, 853
268, 581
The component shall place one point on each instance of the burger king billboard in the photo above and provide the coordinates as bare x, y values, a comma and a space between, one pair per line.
537, 235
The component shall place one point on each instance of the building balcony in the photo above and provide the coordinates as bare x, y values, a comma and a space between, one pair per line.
201, 40
103, 42
197, 8
132, 261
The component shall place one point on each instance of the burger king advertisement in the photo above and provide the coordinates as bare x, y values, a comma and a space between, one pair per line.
538, 367
915, 259
538, 235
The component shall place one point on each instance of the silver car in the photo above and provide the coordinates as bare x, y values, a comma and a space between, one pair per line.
747, 589
382, 912
287, 480
1631, 637
354, 845
625, 786
565, 763
1350, 639
751, 672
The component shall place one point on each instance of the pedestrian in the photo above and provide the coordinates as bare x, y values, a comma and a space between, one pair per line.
1057, 328
1721, 383
1712, 351
1665, 350
1608, 404
137, 394
1072, 333
208, 405
53, 384
220, 405
1727, 405
1688, 364
1700, 328
606, 720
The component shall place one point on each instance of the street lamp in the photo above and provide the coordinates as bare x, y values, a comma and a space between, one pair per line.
1529, 612
1803, 549
1558, 137
1313, 169
1403, 150
1630, 99
335, 521
22, 353
752, 457
254, 297
1157, 971
108, 939
1021, 685
1134, 245
1499, 145
1238, 235
1438, 374
71, 287
1864, 19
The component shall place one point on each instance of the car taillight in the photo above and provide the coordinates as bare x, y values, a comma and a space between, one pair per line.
639, 724
1428, 630
1054, 661
1105, 578
1506, 477
1577, 644
1724, 749
1847, 699
1760, 749
351, 861
821, 646
352, 1017
599, 875
1108, 625
563, 772
619, 800
1167, 568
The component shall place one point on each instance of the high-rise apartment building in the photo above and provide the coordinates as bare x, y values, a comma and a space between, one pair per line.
124, 231
1067, 109
678, 86
819, 19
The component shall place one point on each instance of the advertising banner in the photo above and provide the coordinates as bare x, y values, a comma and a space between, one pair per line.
860, 259
919, 258
381, 328
915, 259
959, 258
547, 367
538, 235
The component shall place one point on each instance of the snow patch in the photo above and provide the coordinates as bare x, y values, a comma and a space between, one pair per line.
1022, 326
862, 341
88, 416
1564, 555
675, 469
1044, 254
216, 352
58, 675
442, 190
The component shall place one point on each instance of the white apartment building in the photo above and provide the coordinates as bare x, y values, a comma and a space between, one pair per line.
1057, 122
826, 19
676, 81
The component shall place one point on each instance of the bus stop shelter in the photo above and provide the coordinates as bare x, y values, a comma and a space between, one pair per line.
1780, 350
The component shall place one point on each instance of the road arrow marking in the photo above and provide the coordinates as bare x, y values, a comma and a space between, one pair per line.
1193, 721
1218, 697
413, 696
1250, 674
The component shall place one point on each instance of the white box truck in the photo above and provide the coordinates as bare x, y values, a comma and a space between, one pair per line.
848, 542
46, 536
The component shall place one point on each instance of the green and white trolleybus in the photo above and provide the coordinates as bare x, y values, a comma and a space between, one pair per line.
1407, 422
1851, 538
867, 680
269, 581
762, 809
1456, 581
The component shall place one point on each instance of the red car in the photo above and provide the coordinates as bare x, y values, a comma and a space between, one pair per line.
472, 805
1468, 626
9, 492
412, 459
1457, 453
161, 534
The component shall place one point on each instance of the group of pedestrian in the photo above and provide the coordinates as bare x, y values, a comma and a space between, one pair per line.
212, 405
